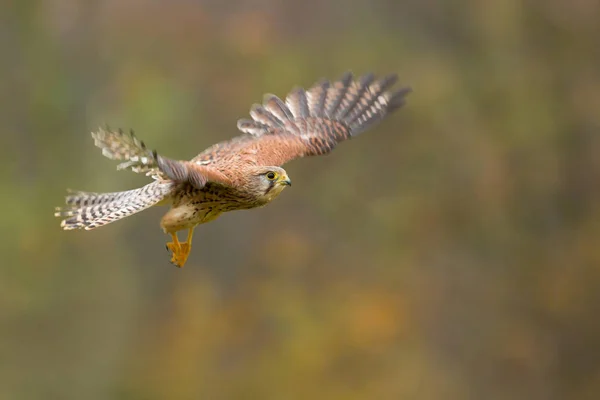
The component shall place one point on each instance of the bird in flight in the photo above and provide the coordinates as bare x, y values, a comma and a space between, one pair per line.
239, 174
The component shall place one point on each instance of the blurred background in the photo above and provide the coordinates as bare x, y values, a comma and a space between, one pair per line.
453, 252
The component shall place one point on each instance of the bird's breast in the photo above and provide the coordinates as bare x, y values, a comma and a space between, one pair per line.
216, 197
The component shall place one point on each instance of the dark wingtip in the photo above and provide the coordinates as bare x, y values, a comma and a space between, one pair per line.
367, 79
388, 81
346, 78
398, 98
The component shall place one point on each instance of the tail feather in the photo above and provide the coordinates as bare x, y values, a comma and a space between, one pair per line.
352, 105
91, 210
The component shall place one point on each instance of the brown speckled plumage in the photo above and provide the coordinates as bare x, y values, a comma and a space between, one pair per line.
240, 173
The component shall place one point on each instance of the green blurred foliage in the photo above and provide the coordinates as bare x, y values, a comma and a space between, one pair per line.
453, 252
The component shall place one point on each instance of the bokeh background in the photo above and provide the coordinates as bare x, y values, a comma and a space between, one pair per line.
453, 252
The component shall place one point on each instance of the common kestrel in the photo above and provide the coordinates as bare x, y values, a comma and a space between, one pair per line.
241, 173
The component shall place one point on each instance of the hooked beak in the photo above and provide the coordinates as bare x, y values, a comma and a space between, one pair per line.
285, 182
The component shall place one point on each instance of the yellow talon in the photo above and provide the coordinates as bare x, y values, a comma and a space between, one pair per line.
180, 250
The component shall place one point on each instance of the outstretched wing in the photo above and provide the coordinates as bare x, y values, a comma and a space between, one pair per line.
309, 122
126, 147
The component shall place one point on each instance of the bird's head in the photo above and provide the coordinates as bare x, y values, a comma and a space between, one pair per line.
266, 183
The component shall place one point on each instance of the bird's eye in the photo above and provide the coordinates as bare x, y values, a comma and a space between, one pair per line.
271, 175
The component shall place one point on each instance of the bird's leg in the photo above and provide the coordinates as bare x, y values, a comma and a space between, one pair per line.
174, 247
181, 250
186, 246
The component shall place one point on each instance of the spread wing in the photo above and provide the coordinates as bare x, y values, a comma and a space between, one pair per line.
126, 147
309, 122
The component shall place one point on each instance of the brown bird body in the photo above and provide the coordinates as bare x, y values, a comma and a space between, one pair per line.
241, 173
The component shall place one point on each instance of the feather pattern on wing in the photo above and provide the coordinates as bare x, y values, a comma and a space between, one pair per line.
309, 122
126, 147
117, 145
